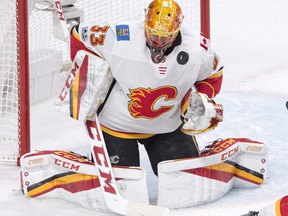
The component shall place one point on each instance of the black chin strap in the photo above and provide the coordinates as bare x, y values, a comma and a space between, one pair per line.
157, 54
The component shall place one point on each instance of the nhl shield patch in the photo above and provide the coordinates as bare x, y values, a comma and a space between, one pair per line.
123, 33
84, 33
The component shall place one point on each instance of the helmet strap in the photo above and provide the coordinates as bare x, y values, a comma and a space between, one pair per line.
157, 54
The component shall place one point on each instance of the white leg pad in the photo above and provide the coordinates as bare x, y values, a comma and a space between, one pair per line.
190, 182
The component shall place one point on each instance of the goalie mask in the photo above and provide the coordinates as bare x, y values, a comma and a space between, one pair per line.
162, 24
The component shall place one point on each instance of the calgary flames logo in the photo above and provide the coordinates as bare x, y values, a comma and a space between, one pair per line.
143, 101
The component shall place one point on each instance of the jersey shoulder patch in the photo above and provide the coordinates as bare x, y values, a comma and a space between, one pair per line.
122, 32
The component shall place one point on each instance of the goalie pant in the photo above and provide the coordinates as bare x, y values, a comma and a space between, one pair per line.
278, 208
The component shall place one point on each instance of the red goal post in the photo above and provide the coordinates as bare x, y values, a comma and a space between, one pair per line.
21, 52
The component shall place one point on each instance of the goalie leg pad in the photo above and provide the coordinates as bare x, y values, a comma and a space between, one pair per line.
190, 182
68, 176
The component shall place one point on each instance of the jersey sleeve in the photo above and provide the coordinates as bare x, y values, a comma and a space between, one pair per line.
211, 72
98, 39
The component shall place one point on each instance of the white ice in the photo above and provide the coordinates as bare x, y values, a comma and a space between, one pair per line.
251, 38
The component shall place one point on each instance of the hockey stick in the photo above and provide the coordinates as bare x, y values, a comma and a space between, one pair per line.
113, 199
95, 69
62, 20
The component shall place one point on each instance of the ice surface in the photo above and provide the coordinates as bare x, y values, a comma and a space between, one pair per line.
251, 38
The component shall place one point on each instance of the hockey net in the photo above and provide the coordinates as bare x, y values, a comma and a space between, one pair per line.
48, 56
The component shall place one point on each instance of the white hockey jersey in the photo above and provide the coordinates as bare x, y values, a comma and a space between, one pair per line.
146, 98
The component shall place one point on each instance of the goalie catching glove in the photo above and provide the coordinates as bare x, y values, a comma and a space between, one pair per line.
202, 114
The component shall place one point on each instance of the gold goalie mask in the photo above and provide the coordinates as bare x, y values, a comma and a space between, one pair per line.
162, 24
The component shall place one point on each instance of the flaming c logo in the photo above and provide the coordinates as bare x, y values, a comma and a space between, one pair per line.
142, 103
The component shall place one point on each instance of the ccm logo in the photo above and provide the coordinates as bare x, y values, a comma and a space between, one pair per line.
59, 9
100, 157
66, 165
229, 154
69, 81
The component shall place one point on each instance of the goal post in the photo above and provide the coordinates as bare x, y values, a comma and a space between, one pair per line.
23, 80
205, 17
14, 81
32, 57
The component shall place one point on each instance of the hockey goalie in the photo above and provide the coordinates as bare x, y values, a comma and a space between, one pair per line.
150, 82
